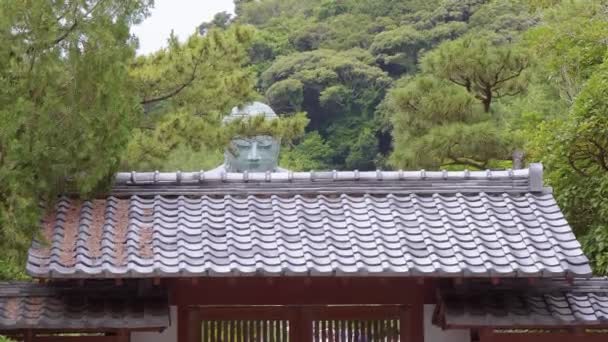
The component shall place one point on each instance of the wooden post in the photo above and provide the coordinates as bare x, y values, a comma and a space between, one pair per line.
411, 323
123, 336
405, 328
300, 325
182, 323
28, 336
194, 326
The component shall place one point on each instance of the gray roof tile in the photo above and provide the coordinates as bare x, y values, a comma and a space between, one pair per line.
549, 303
470, 234
57, 307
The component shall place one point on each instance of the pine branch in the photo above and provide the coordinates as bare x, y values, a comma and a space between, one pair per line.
75, 24
175, 91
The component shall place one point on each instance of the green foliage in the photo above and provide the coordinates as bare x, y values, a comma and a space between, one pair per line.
262, 12
452, 10
437, 123
5, 339
445, 117
505, 18
570, 45
181, 134
12, 269
286, 95
67, 105
186, 89
398, 49
333, 88
432, 83
220, 20
327, 57
319, 72
363, 152
571, 74
486, 70
312, 153
203, 75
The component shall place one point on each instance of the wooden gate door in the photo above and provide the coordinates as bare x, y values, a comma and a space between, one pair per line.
368, 323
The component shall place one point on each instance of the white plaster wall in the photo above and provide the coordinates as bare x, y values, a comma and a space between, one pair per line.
433, 333
168, 335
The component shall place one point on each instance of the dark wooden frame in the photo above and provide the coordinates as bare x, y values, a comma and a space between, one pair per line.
297, 297
254, 291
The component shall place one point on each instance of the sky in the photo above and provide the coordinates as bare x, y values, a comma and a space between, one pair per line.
181, 16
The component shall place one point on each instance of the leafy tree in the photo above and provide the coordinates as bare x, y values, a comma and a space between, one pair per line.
570, 45
186, 89
197, 74
397, 50
286, 95
507, 19
312, 153
331, 87
487, 71
67, 105
261, 12
451, 10
565, 116
321, 70
438, 123
220, 20
575, 151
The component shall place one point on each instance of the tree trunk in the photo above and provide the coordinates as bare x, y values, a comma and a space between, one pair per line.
487, 100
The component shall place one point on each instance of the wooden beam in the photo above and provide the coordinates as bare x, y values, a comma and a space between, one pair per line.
295, 291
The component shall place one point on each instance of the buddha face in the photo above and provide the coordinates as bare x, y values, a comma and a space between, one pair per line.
254, 154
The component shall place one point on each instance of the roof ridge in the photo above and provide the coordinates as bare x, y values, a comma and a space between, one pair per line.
533, 174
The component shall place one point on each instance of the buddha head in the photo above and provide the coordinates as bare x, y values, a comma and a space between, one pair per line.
254, 154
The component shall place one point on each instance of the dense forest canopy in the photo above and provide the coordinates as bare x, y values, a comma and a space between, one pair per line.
359, 84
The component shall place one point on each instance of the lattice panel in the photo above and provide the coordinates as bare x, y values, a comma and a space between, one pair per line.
356, 330
245, 331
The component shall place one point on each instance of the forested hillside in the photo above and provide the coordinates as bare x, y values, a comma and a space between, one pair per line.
391, 83
443, 84
360, 84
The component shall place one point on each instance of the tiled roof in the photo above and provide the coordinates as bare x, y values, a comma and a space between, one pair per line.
35, 306
519, 304
155, 234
